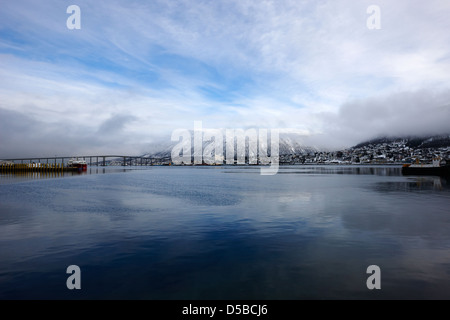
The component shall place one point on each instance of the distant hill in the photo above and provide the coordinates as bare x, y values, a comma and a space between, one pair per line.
437, 141
289, 144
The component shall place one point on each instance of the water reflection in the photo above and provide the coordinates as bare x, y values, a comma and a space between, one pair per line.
415, 184
24, 176
342, 170
227, 233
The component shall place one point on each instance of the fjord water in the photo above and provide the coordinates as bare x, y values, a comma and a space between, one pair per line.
309, 232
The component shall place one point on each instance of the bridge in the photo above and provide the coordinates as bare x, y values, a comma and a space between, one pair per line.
98, 160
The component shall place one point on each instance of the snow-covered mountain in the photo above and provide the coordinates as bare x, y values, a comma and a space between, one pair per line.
436, 141
289, 143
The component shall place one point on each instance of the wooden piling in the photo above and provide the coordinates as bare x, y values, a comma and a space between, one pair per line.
21, 168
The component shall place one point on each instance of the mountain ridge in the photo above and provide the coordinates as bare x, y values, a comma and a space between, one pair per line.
294, 144
412, 141
289, 144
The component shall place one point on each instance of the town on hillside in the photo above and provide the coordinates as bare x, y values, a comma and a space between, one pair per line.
397, 152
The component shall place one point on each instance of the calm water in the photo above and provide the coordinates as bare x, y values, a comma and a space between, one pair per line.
226, 233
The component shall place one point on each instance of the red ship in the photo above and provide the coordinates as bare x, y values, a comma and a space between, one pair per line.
79, 165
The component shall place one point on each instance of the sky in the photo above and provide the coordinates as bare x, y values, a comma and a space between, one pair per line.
137, 70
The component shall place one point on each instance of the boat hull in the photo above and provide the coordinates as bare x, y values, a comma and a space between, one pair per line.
80, 167
426, 171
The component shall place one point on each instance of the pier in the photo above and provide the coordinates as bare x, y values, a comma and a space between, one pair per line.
34, 167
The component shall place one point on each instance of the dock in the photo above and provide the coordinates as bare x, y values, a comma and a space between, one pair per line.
34, 167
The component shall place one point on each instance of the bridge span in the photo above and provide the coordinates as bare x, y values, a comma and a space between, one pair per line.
96, 160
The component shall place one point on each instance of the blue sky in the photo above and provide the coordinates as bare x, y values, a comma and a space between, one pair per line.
137, 70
